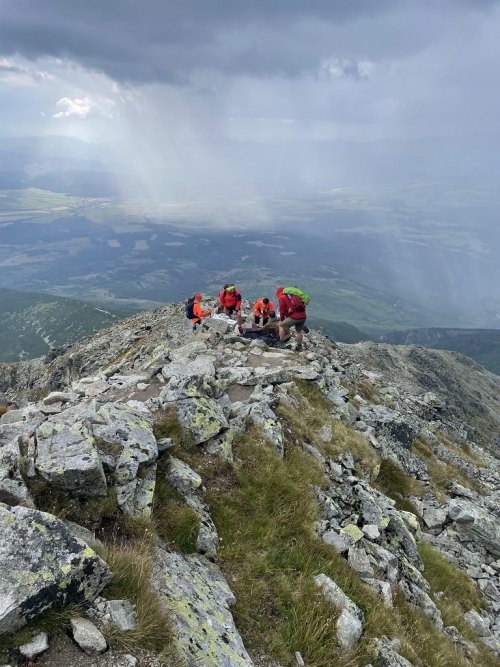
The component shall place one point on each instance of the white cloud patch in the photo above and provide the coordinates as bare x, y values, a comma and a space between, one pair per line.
83, 107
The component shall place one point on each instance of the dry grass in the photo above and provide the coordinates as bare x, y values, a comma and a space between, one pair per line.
270, 556
463, 451
176, 523
441, 473
392, 481
4, 409
368, 391
305, 423
131, 564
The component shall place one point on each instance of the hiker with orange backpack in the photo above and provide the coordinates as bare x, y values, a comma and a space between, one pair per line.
230, 300
262, 308
194, 311
292, 313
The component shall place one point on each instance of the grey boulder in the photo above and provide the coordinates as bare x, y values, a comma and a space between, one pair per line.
68, 459
41, 565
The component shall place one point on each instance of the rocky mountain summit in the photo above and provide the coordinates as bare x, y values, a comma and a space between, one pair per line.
195, 498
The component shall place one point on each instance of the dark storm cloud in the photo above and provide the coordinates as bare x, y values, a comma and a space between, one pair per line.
166, 40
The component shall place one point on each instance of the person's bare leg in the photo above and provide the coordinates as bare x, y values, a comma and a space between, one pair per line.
238, 317
282, 333
299, 337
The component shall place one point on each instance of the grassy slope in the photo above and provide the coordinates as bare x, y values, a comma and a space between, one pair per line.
482, 345
31, 323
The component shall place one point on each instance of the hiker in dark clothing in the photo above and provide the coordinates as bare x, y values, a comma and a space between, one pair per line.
292, 314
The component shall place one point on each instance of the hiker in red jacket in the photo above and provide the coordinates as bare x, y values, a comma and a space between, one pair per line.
230, 299
292, 314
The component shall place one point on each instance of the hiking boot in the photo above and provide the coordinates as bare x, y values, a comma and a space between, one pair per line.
282, 343
305, 329
298, 348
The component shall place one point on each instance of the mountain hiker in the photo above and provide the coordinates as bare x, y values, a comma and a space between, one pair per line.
230, 299
194, 311
271, 326
261, 309
292, 313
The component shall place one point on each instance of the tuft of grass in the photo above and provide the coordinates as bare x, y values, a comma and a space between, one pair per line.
177, 524
4, 409
464, 451
392, 481
420, 448
169, 426
315, 397
441, 473
88, 512
132, 564
55, 621
368, 391
445, 577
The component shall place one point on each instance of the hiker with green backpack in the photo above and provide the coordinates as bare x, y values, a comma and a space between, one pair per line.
292, 305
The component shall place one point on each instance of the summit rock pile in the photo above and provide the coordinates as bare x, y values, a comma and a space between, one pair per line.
83, 427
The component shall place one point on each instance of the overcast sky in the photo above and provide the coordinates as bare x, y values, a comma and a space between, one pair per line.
266, 70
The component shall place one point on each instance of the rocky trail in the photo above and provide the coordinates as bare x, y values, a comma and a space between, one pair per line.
124, 459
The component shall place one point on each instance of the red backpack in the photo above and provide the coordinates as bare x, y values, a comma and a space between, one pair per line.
295, 303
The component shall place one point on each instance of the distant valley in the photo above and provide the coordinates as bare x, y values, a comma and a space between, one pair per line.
31, 324
401, 253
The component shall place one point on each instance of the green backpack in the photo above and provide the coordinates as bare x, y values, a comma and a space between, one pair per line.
295, 290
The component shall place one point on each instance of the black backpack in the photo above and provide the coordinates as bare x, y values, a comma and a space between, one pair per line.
189, 308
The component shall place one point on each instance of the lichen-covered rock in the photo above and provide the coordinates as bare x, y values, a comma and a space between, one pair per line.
203, 418
182, 477
68, 459
479, 624
202, 366
41, 565
11, 479
261, 414
128, 434
386, 656
419, 598
195, 590
222, 445
136, 497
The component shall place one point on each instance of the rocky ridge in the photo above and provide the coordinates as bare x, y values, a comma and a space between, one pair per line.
83, 426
